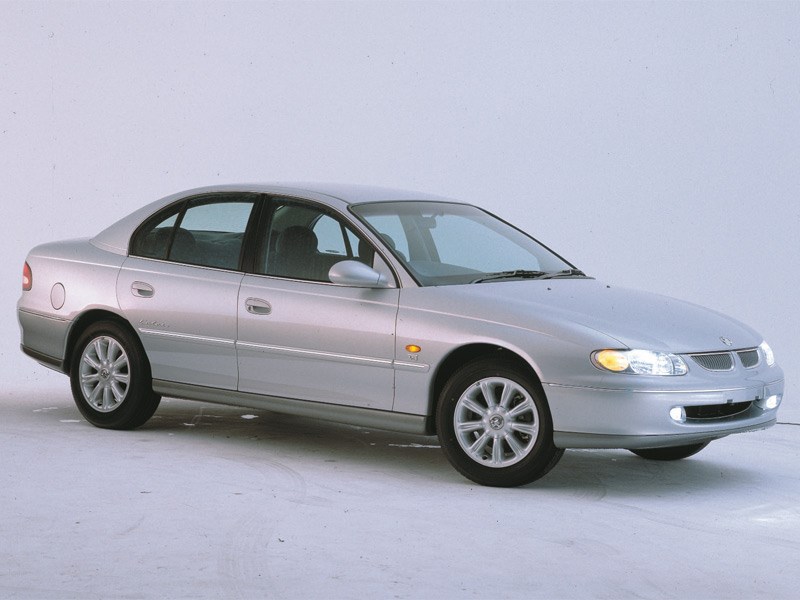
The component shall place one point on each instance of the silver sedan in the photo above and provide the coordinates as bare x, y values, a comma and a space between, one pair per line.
387, 309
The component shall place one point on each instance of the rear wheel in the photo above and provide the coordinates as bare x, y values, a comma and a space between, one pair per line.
494, 425
110, 378
671, 453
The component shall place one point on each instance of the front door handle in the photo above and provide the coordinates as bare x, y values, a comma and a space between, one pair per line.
257, 306
142, 289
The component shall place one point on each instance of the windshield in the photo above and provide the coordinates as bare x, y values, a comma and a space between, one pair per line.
444, 244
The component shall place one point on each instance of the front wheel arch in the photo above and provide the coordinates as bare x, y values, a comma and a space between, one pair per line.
494, 424
466, 354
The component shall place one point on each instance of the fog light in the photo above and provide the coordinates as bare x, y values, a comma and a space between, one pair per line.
770, 402
678, 414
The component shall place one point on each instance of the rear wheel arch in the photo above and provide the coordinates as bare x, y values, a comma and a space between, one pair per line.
110, 376
86, 320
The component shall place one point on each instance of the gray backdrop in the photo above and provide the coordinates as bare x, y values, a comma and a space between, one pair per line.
654, 145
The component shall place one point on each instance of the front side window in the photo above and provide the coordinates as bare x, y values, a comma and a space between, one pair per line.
442, 243
206, 231
304, 242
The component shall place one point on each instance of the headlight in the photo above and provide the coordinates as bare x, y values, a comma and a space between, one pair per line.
639, 362
767, 353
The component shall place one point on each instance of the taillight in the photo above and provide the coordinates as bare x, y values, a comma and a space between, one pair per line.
27, 278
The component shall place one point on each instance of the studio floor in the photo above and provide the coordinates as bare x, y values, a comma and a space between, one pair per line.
219, 502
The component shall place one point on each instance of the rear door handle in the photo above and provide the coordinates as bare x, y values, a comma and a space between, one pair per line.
257, 306
142, 289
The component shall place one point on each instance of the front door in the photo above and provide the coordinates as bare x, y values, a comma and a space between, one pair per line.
301, 336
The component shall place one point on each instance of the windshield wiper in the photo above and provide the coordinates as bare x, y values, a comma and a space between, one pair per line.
525, 274
565, 273
515, 274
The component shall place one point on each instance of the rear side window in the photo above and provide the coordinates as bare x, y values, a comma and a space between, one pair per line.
152, 241
206, 231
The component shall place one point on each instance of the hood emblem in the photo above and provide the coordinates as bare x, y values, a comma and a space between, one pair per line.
726, 341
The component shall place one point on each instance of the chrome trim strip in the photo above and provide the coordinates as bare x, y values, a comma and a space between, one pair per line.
747, 349
200, 339
384, 363
350, 415
411, 366
348, 358
236, 271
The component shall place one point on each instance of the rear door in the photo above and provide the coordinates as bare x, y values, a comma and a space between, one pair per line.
180, 286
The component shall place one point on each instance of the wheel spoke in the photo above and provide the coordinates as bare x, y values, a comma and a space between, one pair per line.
100, 349
521, 408
470, 426
473, 406
119, 392
107, 397
121, 377
526, 428
517, 448
509, 391
95, 394
488, 393
497, 451
477, 448
89, 378
112, 351
89, 360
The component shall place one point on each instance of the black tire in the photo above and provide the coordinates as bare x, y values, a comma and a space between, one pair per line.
671, 453
110, 378
506, 433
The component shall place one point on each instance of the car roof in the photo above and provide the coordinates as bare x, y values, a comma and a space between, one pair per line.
339, 195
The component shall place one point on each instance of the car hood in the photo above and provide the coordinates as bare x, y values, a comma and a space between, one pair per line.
635, 318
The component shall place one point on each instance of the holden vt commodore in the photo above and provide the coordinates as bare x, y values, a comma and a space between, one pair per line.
386, 309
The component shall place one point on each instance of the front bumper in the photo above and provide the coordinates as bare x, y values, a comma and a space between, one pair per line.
589, 417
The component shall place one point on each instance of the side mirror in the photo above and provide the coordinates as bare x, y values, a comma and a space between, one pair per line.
357, 274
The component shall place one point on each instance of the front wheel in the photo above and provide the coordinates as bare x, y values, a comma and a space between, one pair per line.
110, 378
494, 425
671, 453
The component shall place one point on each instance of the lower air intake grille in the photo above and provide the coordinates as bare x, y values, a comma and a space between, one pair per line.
718, 361
716, 411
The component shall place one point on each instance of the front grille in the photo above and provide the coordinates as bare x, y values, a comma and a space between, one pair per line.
717, 361
716, 411
749, 358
